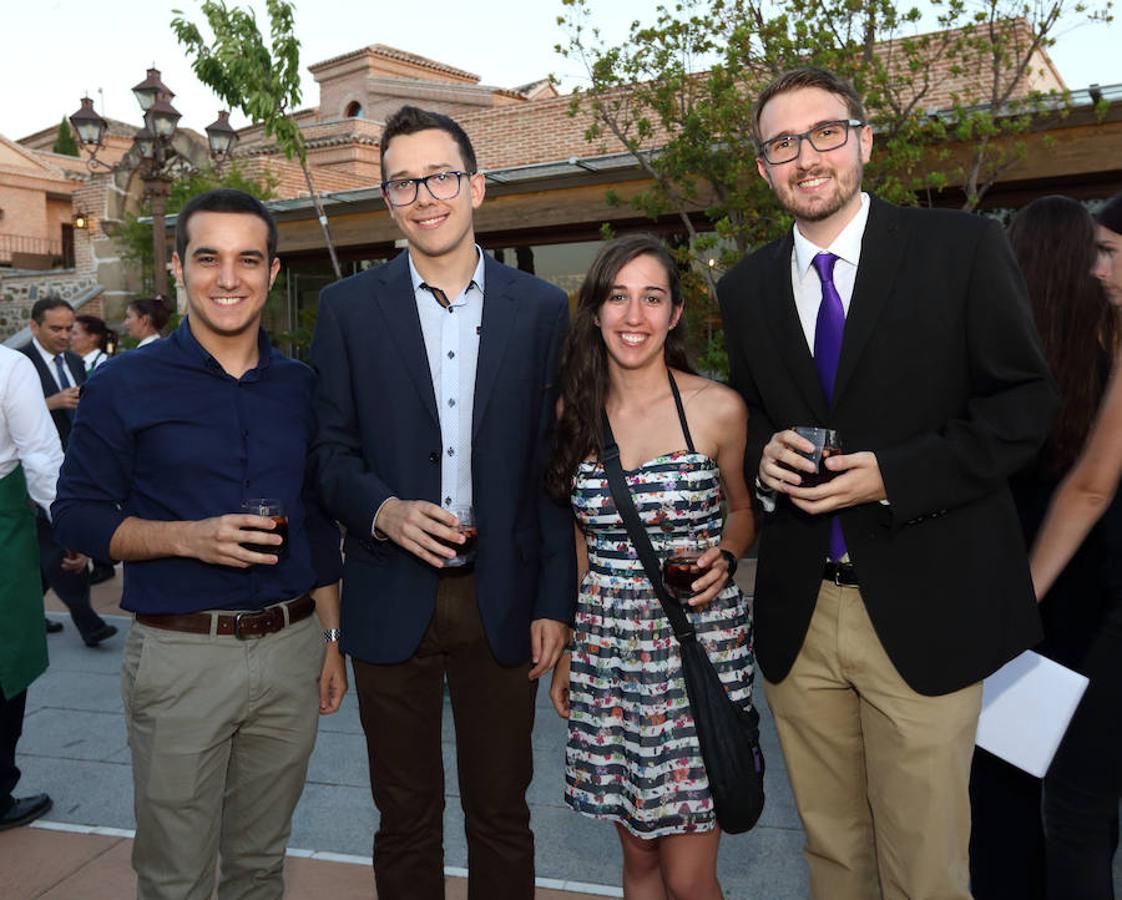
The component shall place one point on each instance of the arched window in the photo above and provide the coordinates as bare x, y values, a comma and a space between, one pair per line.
354, 110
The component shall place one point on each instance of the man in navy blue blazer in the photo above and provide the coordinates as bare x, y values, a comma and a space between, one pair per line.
437, 394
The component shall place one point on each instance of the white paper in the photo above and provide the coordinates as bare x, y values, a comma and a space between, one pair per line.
1026, 707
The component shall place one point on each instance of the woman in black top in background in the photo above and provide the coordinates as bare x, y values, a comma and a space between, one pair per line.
1082, 788
1053, 239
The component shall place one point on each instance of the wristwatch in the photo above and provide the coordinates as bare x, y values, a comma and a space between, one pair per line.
731, 560
332, 635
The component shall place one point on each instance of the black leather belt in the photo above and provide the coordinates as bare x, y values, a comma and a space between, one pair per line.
252, 623
841, 574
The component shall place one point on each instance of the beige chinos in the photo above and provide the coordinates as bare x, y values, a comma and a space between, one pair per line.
880, 773
220, 730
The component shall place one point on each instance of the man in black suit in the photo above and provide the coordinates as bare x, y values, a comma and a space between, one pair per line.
61, 373
437, 392
885, 595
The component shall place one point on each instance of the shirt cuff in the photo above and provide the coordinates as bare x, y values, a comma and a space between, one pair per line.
765, 495
378, 535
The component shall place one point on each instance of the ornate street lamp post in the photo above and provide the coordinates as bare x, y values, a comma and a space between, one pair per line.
153, 144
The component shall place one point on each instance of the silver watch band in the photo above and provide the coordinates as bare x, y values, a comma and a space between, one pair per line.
331, 635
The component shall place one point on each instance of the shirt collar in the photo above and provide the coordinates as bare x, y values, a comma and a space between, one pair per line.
846, 245
187, 343
44, 352
477, 277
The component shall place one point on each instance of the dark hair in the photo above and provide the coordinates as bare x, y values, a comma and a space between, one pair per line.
584, 360
155, 308
1054, 242
1110, 216
97, 327
42, 307
411, 119
223, 200
807, 77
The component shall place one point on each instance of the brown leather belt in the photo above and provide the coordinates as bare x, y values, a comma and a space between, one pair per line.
251, 623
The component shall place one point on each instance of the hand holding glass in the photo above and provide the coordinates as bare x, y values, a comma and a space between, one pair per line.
273, 509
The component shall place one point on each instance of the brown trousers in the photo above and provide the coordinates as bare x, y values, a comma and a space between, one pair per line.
880, 773
401, 707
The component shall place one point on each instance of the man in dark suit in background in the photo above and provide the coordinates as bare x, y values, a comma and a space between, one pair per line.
885, 595
437, 392
62, 373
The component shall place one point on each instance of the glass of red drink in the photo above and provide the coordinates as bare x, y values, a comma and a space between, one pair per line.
465, 552
270, 508
680, 569
827, 443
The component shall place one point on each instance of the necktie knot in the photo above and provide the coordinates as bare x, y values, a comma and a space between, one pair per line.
824, 265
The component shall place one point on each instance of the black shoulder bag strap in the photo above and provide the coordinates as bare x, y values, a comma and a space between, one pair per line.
621, 493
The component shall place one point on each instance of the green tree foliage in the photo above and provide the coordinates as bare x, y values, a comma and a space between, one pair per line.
65, 143
134, 236
263, 81
678, 95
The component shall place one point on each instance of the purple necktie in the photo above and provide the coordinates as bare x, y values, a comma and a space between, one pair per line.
827, 350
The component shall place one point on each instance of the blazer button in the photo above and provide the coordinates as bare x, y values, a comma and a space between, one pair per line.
434, 457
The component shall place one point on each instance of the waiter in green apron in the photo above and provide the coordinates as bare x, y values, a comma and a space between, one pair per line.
30, 456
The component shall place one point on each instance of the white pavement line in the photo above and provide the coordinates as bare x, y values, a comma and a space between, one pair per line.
74, 828
556, 884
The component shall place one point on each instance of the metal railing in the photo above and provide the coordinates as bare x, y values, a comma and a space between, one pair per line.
16, 244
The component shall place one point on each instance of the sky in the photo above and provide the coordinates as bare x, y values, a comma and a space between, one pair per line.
54, 51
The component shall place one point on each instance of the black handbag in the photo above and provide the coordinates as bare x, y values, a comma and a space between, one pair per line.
729, 735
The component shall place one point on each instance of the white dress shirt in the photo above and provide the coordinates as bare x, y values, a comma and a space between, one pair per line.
805, 282
94, 358
148, 340
27, 434
49, 359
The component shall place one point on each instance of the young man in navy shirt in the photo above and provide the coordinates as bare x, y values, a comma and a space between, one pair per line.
225, 669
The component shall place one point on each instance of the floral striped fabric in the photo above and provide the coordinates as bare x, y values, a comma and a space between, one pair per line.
632, 755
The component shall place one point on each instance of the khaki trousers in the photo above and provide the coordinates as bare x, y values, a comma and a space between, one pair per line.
880, 773
220, 730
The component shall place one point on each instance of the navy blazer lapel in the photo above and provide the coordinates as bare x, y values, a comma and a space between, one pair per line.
882, 250
499, 312
783, 319
399, 309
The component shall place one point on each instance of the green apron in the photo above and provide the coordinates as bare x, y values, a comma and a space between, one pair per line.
23, 639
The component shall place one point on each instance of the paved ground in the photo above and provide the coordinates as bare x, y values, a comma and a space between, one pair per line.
74, 747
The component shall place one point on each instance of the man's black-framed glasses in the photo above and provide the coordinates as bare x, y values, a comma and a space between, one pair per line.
823, 138
441, 185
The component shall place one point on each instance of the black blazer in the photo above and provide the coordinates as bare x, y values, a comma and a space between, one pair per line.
77, 370
942, 376
379, 437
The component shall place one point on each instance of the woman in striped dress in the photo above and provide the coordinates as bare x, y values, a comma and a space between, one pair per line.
632, 755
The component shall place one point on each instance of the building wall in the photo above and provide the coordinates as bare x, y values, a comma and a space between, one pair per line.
25, 211
19, 291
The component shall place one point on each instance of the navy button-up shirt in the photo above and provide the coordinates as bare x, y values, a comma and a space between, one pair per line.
164, 433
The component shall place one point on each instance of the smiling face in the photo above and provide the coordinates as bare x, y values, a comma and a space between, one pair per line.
1108, 263
226, 273
815, 186
54, 332
638, 313
434, 228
